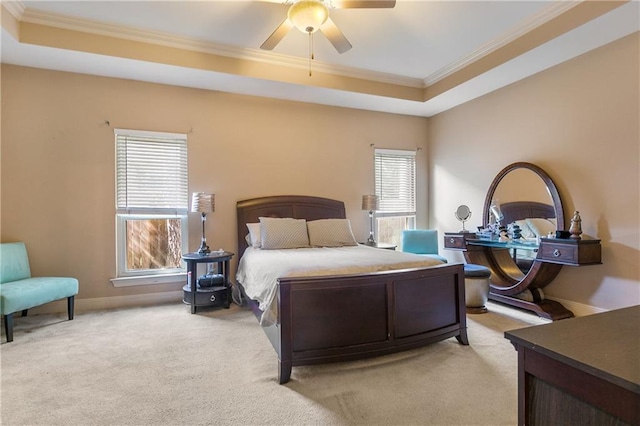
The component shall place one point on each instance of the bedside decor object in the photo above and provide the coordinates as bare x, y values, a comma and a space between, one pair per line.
576, 226
370, 202
463, 214
203, 203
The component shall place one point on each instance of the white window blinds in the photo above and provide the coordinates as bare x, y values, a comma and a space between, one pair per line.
395, 172
151, 172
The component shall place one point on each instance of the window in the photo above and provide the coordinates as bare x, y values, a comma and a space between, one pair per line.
151, 203
395, 172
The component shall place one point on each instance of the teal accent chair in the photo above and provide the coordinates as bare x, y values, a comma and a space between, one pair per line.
421, 241
20, 292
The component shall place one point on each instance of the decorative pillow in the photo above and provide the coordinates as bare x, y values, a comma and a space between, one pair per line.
331, 233
254, 235
283, 233
542, 227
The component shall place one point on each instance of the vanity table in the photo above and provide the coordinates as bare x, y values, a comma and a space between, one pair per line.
521, 268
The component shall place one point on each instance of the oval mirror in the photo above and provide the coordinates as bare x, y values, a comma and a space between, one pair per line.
463, 214
524, 199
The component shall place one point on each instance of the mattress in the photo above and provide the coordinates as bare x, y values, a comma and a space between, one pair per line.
259, 270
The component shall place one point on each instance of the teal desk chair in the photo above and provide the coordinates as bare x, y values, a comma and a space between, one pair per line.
421, 241
20, 292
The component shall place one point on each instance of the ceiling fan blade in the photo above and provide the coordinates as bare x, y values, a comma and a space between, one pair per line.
279, 33
335, 36
364, 4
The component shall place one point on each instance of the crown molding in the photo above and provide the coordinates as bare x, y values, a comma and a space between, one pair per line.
186, 43
543, 16
272, 58
15, 7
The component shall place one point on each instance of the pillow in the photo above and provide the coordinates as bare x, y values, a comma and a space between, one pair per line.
331, 233
283, 233
542, 227
254, 235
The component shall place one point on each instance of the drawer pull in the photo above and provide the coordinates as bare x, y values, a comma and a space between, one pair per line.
213, 298
556, 253
452, 241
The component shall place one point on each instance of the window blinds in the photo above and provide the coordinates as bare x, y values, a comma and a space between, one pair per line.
395, 172
151, 172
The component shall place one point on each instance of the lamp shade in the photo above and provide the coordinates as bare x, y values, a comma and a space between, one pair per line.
202, 202
369, 202
308, 15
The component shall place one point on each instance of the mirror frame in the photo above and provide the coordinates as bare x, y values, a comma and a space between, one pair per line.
551, 187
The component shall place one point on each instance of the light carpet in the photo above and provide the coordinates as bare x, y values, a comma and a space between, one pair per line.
163, 366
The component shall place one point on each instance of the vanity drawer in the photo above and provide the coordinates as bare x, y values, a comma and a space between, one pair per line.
569, 252
454, 241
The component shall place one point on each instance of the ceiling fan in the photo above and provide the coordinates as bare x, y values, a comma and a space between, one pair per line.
310, 16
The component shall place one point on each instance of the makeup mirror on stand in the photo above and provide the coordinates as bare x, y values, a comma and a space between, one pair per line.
463, 214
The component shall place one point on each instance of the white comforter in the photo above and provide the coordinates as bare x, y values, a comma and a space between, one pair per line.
259, 270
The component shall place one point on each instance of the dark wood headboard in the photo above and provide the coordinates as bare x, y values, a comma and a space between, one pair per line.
519, 210
295, 206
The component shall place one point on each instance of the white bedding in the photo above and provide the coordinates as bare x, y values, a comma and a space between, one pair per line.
259, 270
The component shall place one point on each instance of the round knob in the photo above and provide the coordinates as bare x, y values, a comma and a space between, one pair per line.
213, 298
556, 253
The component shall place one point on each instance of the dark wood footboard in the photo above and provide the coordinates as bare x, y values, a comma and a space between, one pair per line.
342, 318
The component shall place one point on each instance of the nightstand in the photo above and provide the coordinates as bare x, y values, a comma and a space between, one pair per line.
216, 295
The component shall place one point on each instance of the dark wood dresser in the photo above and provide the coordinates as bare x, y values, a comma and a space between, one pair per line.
580, 371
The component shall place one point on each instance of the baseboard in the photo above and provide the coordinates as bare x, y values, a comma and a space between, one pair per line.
578, 309
101, 303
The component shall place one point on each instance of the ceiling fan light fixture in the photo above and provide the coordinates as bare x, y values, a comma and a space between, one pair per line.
308, 15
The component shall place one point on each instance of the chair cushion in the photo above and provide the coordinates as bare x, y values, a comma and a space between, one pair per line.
476, 271
420, 241
25, 294
14, 262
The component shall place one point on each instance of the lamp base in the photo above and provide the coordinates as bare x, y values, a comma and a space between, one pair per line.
204, 249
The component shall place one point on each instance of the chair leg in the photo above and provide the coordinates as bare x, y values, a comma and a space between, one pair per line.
70, 301
8, 326
24, 312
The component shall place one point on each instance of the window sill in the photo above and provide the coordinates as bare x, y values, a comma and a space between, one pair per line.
149, 280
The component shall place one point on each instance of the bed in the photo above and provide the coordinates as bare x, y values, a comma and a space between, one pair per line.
332, 318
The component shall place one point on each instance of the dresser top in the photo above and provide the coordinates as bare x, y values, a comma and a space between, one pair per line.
606, 345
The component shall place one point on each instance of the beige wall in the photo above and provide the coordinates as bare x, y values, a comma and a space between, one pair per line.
58, 162
579, 121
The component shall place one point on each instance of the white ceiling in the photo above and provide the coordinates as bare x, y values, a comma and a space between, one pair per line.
414, 44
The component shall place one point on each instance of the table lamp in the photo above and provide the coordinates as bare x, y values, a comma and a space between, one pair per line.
203, 203
370, 202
